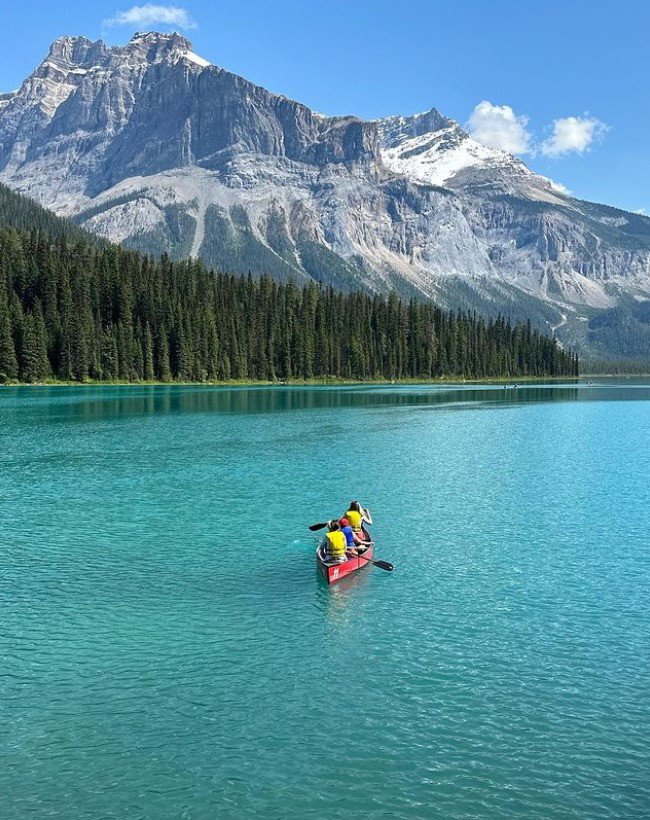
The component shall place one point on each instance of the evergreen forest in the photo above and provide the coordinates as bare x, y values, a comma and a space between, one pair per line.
75, 309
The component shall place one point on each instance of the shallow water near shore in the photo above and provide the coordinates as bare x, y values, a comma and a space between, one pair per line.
168, 651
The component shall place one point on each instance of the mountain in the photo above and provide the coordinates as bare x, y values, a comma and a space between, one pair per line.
536, 235
149, 145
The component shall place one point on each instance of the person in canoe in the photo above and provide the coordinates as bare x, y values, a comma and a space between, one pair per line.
334, 545
355, 541
357, 517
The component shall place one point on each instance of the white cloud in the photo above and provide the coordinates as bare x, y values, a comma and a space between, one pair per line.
641, 212
572, 134
151, 15
557, 186
497, 126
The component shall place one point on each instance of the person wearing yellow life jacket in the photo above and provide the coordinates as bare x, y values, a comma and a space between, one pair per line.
357, 516
334, 544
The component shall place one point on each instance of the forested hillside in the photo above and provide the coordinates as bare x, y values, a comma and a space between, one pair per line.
21, 212
624, 329
73, 309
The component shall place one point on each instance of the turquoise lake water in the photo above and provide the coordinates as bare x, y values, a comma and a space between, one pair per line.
168, 651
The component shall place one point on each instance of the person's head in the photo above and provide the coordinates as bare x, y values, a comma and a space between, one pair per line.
343, 522
354, 505
333, 525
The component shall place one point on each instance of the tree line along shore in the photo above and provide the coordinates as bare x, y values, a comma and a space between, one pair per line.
75, 310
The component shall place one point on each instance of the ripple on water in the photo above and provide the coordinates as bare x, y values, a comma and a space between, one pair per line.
167, 651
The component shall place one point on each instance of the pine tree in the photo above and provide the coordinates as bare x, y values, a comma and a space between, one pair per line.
33, 359
44, 369
147, 343
162, 366
109, 361
8, 359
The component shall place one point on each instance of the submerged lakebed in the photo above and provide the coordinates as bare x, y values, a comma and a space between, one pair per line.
169, 651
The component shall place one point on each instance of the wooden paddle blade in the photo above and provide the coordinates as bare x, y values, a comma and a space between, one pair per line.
315, 527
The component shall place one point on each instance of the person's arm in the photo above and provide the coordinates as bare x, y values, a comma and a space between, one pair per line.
366, 516
360, 540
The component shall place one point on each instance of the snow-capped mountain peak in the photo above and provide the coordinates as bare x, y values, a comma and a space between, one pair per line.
434, 150
434, 158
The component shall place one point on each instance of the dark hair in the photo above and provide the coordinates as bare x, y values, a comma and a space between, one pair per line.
354, 505
333, 525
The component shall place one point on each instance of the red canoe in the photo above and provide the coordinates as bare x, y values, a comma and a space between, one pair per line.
334, 572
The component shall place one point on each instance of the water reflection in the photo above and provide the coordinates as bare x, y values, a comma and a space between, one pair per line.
334, 599
97, 402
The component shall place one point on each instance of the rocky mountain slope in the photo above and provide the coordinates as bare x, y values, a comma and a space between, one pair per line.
150, 145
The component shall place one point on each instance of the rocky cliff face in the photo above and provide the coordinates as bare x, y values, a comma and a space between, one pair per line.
150, 145
96, 116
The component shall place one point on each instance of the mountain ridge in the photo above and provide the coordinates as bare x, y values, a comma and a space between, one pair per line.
151, 145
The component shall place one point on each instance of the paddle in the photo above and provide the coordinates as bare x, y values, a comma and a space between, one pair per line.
315, 527
381, 564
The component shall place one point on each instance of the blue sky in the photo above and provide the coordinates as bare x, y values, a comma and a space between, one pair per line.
564, 84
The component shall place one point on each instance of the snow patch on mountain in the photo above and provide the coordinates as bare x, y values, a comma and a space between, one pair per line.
194, 58
433, 150
435, 158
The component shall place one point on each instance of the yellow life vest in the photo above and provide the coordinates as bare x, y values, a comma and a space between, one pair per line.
336, 543
355, 520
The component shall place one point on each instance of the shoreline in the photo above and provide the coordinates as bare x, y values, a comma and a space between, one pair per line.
327, 382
